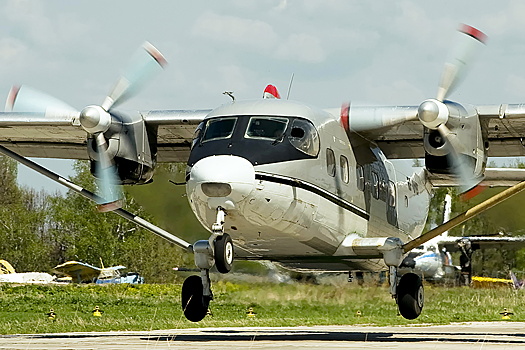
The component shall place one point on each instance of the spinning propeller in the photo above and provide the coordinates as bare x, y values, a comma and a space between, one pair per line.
434, 114
96, 119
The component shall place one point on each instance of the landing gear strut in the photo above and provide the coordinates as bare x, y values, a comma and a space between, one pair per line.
218, 251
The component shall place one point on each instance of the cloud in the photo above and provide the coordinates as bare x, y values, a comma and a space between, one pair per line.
248, 33
302, 47
10, 50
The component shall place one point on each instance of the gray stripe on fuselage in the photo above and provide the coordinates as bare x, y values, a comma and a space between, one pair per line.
294, 182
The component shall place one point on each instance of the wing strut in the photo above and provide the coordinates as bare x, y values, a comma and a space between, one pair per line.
466, 215
93, 197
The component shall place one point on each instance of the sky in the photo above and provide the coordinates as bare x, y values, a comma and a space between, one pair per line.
380, 52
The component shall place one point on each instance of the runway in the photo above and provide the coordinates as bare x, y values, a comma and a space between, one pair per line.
480, 335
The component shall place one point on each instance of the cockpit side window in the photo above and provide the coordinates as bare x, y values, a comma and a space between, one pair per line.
197, 135
219, 129
304, 137
266, 127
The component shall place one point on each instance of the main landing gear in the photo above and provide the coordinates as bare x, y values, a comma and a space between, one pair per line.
218, 251
408, 292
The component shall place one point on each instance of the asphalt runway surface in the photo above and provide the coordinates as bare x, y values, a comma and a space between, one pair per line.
478, 335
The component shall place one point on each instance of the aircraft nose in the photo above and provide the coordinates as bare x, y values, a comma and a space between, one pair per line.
221, 180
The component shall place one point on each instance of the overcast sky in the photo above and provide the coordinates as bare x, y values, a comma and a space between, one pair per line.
374, 52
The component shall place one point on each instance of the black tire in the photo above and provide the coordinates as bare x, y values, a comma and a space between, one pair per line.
224, 253
194, 305
410, 296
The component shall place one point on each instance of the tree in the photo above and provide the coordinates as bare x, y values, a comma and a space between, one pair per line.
23, 225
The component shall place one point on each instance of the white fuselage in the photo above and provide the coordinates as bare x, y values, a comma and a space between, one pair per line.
305, 211
430, 262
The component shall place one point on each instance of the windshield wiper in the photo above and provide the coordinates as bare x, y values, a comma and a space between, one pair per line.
279, 139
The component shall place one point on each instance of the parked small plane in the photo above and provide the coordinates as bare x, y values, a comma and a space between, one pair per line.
278, 180
81, 272
9, 275
432, 260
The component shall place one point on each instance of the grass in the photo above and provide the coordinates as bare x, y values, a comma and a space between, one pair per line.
150, 306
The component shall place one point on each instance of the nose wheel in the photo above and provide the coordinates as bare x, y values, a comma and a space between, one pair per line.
223, 253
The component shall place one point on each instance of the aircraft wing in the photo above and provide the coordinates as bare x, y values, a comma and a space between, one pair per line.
493, 177
61, 136
79, 271
395, 129
483, 242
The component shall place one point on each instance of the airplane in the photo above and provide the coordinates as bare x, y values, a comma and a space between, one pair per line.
81, 272
433, 260
279, 180
9, 275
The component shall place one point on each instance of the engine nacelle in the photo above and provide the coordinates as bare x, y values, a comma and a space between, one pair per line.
131, 144
465, 126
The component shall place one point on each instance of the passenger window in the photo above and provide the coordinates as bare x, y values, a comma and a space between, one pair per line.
266, 127
330, 162
304, 137
360, 174
344, 169
219, 129
375, 185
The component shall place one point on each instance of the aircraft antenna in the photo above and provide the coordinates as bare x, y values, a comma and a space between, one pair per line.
290, 87
447, 211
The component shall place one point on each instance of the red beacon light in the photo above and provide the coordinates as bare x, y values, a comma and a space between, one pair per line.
271, 92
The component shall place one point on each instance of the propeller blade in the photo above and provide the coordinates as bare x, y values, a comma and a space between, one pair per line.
467, 180
26, 99
142, 67
107, 179
466, 49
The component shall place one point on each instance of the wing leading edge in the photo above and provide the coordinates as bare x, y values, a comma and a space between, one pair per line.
48, 136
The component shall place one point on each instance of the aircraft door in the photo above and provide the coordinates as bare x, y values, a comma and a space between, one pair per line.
391, 194
391, 212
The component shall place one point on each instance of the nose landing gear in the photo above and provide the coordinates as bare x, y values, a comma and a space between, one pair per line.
218, 251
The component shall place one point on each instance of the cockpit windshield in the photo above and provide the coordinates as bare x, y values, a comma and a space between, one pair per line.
266, 127
219, 129
262, 139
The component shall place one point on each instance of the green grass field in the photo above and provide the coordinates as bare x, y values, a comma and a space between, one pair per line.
149, 306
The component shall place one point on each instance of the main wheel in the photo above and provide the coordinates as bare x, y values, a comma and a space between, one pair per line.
410, 296
224, 253
194, 305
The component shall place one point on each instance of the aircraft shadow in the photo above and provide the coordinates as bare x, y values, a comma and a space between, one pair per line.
234, 335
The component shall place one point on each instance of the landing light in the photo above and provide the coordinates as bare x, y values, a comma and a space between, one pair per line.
216, 189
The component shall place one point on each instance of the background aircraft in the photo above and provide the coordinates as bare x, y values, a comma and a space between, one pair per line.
84, 273
9, 275
433, 259
280, 180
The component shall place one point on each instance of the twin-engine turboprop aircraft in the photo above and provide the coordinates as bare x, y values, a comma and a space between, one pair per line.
278, 180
